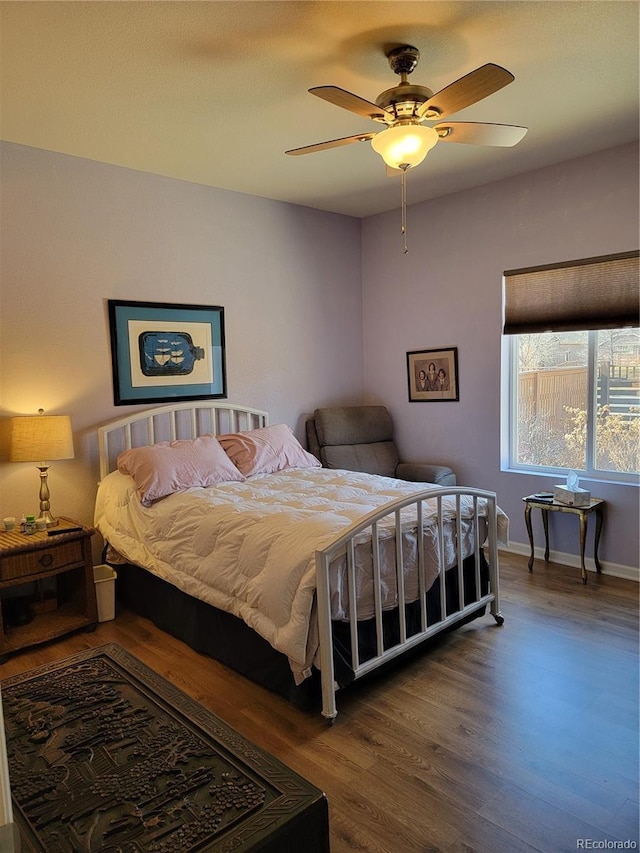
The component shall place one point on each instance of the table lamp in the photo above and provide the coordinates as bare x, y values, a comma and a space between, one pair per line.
38, 438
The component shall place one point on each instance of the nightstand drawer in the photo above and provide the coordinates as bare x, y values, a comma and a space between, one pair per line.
41, 560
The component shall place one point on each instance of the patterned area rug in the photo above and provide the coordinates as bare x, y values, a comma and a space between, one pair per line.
105, 755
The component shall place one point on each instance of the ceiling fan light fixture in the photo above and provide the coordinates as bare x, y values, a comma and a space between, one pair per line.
405, 145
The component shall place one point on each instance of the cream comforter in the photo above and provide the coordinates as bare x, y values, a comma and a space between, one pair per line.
248, 548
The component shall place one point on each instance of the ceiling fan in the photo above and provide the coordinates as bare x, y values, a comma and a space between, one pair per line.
406, 140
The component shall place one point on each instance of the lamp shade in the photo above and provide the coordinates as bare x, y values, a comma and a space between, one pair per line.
41, 438
405, 145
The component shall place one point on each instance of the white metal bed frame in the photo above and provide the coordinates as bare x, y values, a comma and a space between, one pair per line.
189, 420
168, 423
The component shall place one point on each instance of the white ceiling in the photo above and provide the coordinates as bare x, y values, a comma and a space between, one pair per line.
215, 92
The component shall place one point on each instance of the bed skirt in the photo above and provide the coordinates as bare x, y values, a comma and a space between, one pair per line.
227, 639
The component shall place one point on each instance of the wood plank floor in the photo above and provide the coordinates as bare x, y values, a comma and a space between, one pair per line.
517, 738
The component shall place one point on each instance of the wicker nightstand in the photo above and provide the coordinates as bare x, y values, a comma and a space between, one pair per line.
46, 586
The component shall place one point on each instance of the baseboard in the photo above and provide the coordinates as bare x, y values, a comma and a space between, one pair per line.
631, 573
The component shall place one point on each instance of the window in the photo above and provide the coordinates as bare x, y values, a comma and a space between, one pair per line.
570, 415
572, 390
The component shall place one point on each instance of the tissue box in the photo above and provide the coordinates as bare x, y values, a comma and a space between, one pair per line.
571, 497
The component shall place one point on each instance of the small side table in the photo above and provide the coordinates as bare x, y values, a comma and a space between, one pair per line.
64, 560
546, 506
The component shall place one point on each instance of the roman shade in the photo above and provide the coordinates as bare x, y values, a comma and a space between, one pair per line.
593, 293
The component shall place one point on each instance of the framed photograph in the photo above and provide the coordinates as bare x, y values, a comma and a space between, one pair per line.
433, 375
163, 352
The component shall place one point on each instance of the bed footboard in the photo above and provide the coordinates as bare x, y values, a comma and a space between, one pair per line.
449, 519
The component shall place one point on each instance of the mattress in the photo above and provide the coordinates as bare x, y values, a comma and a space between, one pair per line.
249, 547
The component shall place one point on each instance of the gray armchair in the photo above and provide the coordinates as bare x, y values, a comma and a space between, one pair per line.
360, 438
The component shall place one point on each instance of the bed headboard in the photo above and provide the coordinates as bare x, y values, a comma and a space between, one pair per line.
176, 421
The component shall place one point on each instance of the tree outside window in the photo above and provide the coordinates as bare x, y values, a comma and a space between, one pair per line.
577, 401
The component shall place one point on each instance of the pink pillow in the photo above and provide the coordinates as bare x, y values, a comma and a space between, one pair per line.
173, 466
266, 450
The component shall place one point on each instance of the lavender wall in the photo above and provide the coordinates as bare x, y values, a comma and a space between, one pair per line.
76, 233
447, 292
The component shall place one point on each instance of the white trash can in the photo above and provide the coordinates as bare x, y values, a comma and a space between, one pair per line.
105, 577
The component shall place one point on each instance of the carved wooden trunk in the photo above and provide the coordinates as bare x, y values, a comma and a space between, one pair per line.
106, 755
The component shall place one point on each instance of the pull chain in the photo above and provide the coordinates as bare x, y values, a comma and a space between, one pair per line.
404, 209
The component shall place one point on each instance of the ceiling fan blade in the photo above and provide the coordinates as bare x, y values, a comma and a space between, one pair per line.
466, 91
332, 143
353, 103
479, 133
